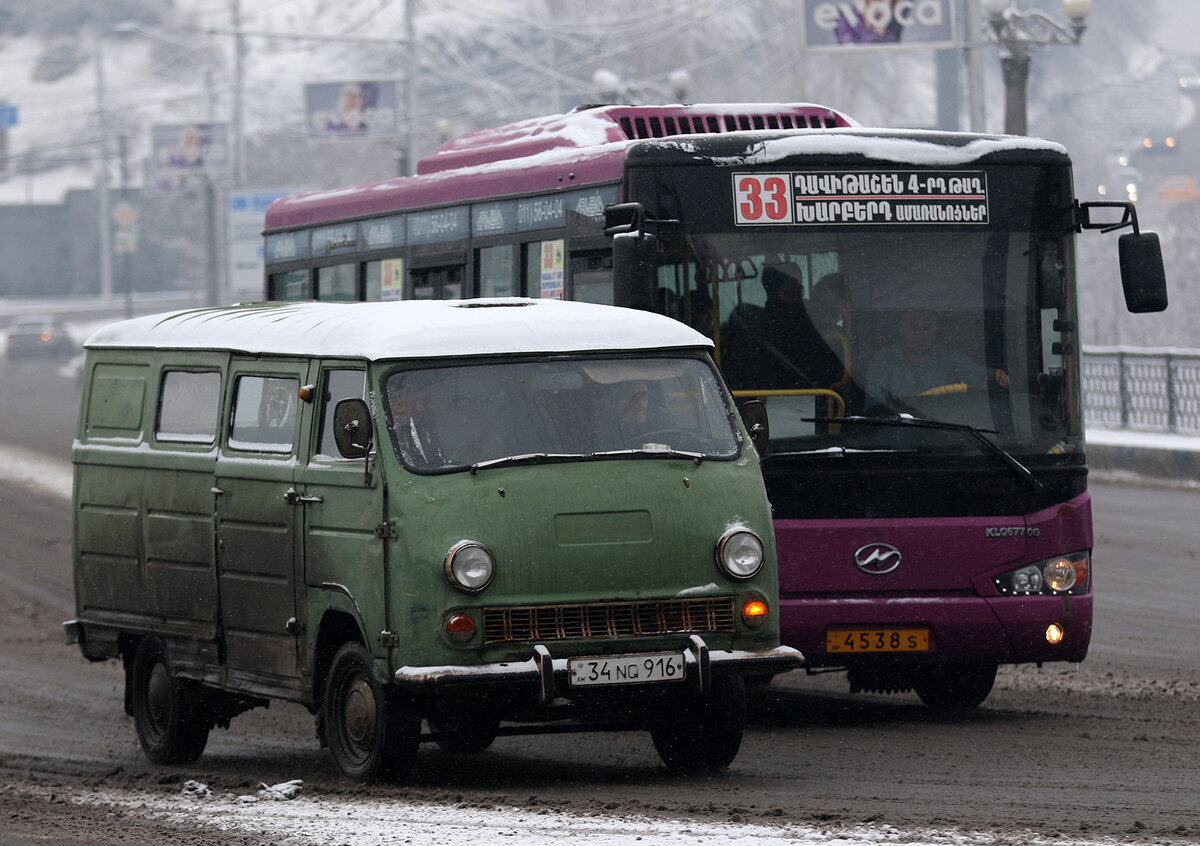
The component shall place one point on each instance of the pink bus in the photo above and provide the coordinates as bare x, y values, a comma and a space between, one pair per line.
895, 311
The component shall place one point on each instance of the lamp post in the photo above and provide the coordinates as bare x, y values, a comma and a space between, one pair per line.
1017, 31
612, 89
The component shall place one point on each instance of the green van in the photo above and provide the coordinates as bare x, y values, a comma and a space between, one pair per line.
493, 516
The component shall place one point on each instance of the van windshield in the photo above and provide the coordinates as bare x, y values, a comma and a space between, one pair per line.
471, 416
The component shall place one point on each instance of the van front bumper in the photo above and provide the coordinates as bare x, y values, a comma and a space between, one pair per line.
551, 674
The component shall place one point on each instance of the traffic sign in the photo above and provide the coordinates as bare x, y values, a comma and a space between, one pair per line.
8, 115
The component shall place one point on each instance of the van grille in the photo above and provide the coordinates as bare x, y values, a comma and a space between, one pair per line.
607, 619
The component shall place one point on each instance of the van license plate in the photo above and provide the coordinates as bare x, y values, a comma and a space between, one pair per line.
626, 669
877, 640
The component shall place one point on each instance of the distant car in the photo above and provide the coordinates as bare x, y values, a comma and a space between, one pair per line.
39, 336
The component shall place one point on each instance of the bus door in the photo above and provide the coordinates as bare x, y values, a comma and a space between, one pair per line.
257, 569
441, 276
339, 504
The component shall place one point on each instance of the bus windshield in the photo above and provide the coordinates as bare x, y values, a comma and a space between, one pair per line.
962, 327
474, 416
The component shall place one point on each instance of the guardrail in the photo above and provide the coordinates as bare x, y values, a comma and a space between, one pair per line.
1142, 390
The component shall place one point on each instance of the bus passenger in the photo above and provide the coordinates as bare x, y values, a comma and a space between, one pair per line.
918, 365
778, 346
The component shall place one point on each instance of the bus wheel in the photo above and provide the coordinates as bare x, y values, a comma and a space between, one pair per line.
704, 734
167, 712
371, 730
464, 733
955, 687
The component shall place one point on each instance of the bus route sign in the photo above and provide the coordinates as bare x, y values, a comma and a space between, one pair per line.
825, 197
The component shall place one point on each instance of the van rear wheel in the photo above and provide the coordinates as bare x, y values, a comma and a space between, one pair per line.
372, 731
703, 734
167, 712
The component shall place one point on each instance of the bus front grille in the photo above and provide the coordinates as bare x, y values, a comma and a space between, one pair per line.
607, 619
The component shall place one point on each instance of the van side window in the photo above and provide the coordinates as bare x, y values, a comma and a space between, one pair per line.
264, 414
188, 407
339, 385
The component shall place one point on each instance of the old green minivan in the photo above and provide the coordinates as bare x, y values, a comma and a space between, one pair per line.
481, 517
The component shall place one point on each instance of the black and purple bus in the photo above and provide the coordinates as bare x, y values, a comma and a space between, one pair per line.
895, 311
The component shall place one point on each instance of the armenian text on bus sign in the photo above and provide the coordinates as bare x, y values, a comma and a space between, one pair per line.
874, 196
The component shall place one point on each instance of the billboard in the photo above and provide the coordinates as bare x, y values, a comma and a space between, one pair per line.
179, 151
887, 24
360, 109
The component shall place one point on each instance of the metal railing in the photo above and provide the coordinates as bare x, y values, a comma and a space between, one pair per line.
1142, 390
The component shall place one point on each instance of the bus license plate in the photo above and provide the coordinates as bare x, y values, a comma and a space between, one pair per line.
877, 640
626, 669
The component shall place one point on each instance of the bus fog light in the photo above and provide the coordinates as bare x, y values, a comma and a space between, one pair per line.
469, 566
1054, 634
754, 612
461, 628
740, 553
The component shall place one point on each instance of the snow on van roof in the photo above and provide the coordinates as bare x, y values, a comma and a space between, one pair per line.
403, 329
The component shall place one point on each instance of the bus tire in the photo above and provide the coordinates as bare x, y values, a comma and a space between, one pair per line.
372, 731
168, 712
955, 687
704, 734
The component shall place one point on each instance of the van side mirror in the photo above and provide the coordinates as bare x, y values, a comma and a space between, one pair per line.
754, 415
352, 428
1142, 276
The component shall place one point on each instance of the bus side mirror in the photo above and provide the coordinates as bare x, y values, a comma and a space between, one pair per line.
352, 428
754, 415
635, 261
1142, 276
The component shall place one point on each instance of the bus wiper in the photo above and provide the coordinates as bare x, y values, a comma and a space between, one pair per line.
526, 458
980, 436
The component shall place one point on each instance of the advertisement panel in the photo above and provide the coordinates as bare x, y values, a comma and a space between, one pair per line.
856, 24
180, 149
359, 109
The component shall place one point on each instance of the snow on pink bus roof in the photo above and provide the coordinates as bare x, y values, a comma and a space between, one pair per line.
551, 153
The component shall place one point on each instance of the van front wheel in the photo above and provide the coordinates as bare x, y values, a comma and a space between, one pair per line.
372, 732
703, 734
167, 712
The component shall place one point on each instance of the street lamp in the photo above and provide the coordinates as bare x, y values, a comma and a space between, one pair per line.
612, 89
1017, 31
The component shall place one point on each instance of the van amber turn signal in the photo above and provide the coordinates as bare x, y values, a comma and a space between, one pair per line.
754, 612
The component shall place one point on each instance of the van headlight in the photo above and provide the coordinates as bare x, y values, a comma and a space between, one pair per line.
470, 566
740, 553
1061, 575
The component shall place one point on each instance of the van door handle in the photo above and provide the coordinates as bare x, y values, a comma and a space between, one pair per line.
293, 497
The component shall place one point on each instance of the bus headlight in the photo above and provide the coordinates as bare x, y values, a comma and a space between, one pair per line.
1063, 574
740, 553
470, 566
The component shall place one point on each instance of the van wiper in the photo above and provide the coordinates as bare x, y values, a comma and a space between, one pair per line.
980, 436
526, 458
651, 451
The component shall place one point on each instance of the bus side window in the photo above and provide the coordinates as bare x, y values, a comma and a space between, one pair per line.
291, 286
496, 271
338, 283
438, 283
592, 277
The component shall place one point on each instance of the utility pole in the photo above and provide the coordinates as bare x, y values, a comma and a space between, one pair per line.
103, 199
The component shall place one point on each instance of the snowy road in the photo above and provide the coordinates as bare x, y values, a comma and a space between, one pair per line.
1106, 752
